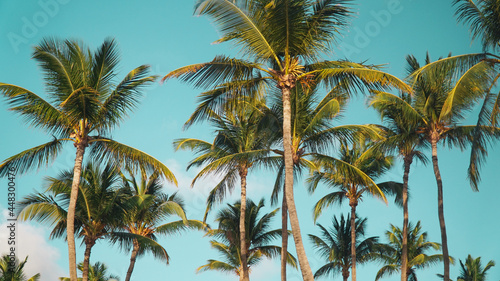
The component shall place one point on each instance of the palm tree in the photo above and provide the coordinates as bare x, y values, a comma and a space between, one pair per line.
237, 147
97, 272
11, 269
98, 207
437, 112
477, 76
472, 270
145, 209
352, 174
84, 104
334, 246
313, 132
403, 137
282, 41
417, 257
258, 237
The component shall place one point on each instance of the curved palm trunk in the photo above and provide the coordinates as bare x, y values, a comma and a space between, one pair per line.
133, 257
70, 224
442, 225
353, 239
305, 268
284, 236
404, 250
243, 241
86, 259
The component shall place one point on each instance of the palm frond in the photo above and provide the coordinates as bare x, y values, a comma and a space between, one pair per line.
125, 97
35, 111
220, 70
33, 158
241, 23
108, 150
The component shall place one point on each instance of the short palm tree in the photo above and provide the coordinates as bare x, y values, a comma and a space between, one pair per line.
473, 270
417, 257
282, 41
146, 208
352, 175
11, 269
334, 246
238, 147
98, 207
97, 272
258, 238
83, 105
438, 113
402, 136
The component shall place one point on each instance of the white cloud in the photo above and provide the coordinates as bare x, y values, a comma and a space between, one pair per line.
32, 241
266, 270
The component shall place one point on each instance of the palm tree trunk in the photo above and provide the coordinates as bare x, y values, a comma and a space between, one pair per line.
404, 251
135, 251
284, 236
442, 225
353, 240
305, 268
345, 273
70, 224
243, 243
86, 259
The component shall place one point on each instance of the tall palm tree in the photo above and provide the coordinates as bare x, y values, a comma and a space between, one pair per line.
313, 132
417, 257
97, 272
258, 238
477, 75
437, 111
11, 269
83, 105
472, 270
334, 246
98, 208
352, 175
237, 148
146, 208
282, 41
401, 136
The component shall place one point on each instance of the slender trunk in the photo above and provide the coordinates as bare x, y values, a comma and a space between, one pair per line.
353, 240
284, 236
243, 238
305, 268
135, 251
86, 259
70, 224
404, 250
442, 225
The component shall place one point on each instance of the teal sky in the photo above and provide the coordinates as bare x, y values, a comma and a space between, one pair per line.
166, 35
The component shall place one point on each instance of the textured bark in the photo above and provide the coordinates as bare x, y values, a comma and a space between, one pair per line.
133, 257
345, 273
243, 244
284, 236
86, 259
442, 225
305, 268
404, 251
353, 239
70, 224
